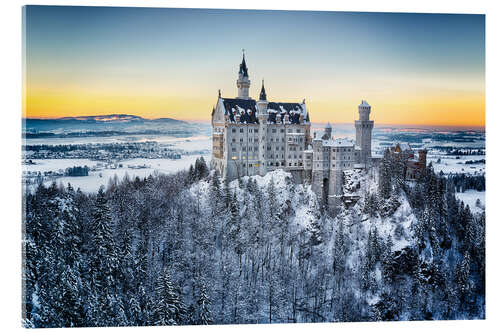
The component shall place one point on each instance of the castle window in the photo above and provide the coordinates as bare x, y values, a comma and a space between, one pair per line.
268, 147
241, 130
282, 130
233, 149
274, 130
290, 164
256, 130
234, 140
233, 130
241, 139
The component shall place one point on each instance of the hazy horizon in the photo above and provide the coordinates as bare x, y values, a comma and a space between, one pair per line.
314, 124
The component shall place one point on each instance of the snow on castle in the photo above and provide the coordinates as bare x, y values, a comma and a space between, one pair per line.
254, 137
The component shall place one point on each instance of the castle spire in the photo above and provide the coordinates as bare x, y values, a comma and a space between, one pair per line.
263, 96
243, 66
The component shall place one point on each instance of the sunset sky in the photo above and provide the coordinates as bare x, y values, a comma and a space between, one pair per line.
412, 68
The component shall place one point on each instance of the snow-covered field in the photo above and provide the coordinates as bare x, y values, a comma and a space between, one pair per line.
450, 164
200, 142
191, 147
95, 179
470, 197
57, 164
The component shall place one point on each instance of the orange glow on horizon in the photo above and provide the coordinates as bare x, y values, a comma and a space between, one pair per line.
466, 110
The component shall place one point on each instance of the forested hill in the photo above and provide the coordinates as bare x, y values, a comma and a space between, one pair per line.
190, 248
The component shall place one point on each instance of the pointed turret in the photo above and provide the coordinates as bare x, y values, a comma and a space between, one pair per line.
243, 67
243, 82
263, 96
262, 104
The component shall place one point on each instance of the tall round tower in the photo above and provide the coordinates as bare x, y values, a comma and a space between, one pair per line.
262, 116
243, 82
364, 127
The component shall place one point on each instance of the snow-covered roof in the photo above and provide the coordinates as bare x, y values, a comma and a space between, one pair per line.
321, 135
404, 146
245, 108
294, 111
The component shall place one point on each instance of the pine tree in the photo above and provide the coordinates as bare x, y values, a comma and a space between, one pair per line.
169, 308
215, 194
385, 175
204, 314
103, 266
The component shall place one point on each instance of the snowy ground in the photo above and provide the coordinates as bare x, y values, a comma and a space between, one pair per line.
95, 179
192, 148
57, 164
470, 197
200, 142
450, 164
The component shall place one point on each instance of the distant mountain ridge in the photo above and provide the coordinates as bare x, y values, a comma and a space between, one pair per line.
104, 118
106, 125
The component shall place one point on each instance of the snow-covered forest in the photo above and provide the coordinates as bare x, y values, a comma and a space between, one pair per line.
192, 249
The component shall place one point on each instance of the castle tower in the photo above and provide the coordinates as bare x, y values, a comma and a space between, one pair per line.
328, 131
262, 116
364, 127
422, 158
243, 82
262, 102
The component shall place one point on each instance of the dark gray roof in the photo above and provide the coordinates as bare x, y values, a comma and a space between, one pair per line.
294, 110
263, 96
243, 106
243, 67
235, 105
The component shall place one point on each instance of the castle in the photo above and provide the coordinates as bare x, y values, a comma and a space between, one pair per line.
414, 166
252, 137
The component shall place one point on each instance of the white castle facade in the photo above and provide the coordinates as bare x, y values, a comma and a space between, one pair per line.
253, 137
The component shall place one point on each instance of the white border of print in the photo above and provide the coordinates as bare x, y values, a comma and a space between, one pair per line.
10, 36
